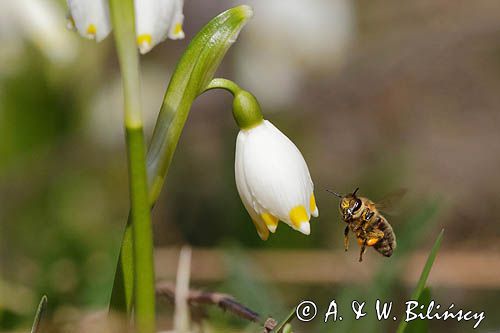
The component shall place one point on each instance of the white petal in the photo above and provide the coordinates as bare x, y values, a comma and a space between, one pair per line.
305, 228
276, 173
91, 18
315, 213
156, 20
243, 190
272, 228
175, 29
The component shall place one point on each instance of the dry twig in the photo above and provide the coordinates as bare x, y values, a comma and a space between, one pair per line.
223, 301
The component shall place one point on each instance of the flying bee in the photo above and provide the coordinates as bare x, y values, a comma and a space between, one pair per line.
364, 219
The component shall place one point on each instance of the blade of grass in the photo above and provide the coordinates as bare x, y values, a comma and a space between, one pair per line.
423, 276
42, 306
420, 326
181, 312
287, 320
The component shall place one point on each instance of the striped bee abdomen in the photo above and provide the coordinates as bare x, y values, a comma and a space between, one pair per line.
387, 244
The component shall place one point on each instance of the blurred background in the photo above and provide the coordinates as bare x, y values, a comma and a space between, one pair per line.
399, 95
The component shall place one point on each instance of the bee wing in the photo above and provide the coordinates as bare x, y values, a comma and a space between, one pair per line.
389, 203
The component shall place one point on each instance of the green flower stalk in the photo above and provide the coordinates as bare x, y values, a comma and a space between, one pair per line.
122, 13
246, 108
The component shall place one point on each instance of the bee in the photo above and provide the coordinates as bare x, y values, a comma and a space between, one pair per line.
364, 219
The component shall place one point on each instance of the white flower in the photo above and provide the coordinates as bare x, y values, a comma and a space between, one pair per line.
38, 21
90, 18
156, 20
273, 180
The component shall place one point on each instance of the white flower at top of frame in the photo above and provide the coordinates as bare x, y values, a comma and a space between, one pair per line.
273, 180
90, 18
38, 21
156, 20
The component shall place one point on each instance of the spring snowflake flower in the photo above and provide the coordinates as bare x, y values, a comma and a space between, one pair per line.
155, 20
90, 18
273, 180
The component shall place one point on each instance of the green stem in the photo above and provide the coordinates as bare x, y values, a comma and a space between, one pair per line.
246, 108
123, 284
191, 76
122, 13
422, 281
219, 83
142, 235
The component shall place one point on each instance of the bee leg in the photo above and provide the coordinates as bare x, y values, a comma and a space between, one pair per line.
363, 249
346, 238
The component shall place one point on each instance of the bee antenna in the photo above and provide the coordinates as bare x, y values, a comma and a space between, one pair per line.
356, 190
334, 193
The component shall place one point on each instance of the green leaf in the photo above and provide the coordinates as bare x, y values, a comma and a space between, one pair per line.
420, 326
42, 306
285, 325
423, 277
193, 73
287, 328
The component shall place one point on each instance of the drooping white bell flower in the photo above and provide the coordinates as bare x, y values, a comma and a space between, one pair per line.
273, 180
90, 18
156, 20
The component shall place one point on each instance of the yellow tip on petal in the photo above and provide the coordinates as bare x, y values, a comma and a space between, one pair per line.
144, 42
312, 206
178, 29
91, 30
271, 221
298, 214
262, 231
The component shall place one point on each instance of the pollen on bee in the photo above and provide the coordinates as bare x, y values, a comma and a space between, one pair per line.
372, 241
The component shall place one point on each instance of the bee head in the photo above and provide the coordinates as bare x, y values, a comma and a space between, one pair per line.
349, 204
